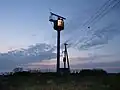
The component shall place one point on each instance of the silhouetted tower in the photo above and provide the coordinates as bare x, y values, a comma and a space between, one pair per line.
58, 26
66, 58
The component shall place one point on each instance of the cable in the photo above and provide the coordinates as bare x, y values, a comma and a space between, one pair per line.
109, 5
95, 13
99, 13
104, 12
92, 17
109, 9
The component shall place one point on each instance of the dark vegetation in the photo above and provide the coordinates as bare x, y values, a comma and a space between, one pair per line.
83, 80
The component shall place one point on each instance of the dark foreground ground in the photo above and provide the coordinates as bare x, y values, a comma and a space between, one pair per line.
52, 81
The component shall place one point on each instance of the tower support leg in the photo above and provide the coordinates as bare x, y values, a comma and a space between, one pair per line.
58, 51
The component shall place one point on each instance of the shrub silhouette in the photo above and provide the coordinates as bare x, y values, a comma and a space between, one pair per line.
18, 69
93, 72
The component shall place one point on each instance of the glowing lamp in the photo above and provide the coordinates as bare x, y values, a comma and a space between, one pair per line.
59, 24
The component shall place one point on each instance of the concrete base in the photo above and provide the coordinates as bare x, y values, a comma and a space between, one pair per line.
64, 70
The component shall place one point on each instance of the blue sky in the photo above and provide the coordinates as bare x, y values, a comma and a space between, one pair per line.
25, 22
28, 20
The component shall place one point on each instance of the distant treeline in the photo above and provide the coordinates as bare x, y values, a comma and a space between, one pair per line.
92, 72
83, 72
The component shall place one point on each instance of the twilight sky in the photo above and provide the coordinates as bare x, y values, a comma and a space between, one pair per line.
24, 24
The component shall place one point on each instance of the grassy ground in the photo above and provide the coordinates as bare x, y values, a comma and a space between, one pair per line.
51, 81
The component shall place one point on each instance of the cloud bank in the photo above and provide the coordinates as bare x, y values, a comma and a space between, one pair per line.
33, 53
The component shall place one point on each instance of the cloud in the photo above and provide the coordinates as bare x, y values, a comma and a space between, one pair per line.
33, 53
93, 58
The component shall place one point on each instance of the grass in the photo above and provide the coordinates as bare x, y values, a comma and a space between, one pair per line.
52, 81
